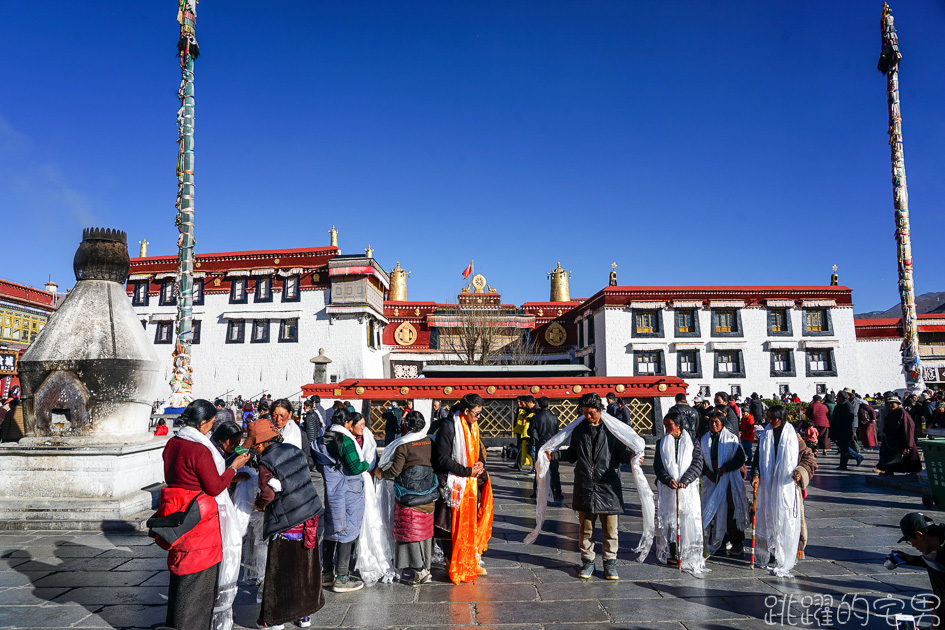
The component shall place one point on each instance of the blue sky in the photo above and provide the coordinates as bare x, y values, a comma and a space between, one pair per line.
690, 142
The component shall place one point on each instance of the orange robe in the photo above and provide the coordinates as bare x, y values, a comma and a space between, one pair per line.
472, 526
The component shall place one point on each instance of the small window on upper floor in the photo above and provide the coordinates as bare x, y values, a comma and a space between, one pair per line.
164, 333
289, 331
195, 327
260, 331
778, 319
235, 329
168, 292
198, 291
684, 319
290, 289
238, 291
645, 321
263, 289
815, 320
726, 321
140, 295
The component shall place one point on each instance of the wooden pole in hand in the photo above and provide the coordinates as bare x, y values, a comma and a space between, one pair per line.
678, 533
754, 513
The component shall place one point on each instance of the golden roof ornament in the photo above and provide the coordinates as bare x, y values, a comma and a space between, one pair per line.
369, 252
398, 284
559, 284
479, 283
613, 275
834, 278
333, 233
144, 248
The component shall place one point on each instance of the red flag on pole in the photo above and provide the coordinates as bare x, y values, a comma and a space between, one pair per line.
468, 270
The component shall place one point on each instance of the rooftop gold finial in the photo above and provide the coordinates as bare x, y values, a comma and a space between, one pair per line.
613, 275
398, 284
369, 252
559, 284
834, 278
885, 9
333, 233
144, 248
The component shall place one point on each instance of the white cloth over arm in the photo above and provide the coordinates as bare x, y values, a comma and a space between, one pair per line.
715, 494
777, 517
631, 440
677, 460
292, 434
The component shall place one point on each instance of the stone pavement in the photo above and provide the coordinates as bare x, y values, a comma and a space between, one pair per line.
119, 580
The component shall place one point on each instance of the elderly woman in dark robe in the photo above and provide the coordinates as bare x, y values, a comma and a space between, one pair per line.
898, 452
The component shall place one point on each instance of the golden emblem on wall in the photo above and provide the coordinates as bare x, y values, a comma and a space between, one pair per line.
417, 311
358, 390
535, 389
479, 282
490, 389
447, 390
577, 389
315, 277
405, 334
404, 391
620, 388
276, 261
216, 282
337, 392
555, 334
662, 387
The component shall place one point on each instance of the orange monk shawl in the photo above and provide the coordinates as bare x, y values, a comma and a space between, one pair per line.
472, 528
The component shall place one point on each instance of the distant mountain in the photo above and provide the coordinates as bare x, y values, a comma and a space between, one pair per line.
925, 303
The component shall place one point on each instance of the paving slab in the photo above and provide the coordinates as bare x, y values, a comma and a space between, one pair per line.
540, 612
416, 615
674, 609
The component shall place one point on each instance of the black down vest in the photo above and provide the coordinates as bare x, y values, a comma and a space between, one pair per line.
298, 501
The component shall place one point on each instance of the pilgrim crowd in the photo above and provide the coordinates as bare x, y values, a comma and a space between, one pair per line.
240, 494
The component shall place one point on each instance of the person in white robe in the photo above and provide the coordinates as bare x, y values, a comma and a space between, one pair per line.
724, 503
677, 465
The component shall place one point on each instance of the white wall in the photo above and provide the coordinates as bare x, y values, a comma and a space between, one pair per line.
880, 362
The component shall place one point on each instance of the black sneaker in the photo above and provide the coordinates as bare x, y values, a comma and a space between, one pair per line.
737, 550
610, 570
346, 584
328, 579
587, 569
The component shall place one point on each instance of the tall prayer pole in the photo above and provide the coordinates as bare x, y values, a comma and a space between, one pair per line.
889, 65
182, 379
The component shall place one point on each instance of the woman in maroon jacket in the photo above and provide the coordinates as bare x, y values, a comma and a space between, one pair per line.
194, 558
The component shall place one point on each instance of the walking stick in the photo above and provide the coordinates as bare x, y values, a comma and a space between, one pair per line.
754, 513
678, 533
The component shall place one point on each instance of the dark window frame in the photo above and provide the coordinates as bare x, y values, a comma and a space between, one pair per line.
739, 373
828, 323
283, 338
234, 282
831, 358
792, 367
660, 363
196, 327
239, 325
198, 282
739, 332
298, 288
165, 328
139, 284
695, 323
698, 364
262, 281
657, 321
591, 335
264, 338
163, 299
789, 330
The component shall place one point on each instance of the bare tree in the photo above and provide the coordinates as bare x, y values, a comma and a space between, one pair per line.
521, 350
474, 337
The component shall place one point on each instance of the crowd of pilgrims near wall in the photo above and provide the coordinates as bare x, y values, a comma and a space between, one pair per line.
240, 501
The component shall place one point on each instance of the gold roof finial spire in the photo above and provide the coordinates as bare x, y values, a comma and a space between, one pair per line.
369, 252
834, 278
333, 233
398, 284
559, 284
144, 248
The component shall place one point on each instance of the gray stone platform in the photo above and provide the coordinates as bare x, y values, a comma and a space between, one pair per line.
119, 580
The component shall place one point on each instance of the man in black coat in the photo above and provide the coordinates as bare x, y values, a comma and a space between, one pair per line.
392, 419
544, 425
757, 409
596, 454
687, 416
843, 423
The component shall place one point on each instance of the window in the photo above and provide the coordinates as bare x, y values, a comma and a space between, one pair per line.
820, 388
779, 321
290, 289
580, 334
238, 291
289, 331
728, 361
689, 364
260, 331
168, 293
815, 320
729, 364
590, 332
783, 389
820, 362
735, 390
263, 289
198, 291
195, 327
725, 320
705, 391
648, 363
140, 296
646, 322
235, 329
781, 359
164, 333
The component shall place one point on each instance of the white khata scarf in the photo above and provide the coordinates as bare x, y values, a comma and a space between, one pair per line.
457, 485
777, 517
232, 536
677, 462
375, 555
631, 440
715, 495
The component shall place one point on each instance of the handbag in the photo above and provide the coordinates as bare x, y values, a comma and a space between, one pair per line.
172, 527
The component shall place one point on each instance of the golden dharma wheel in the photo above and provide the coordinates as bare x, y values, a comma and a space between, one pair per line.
620, 387
577, 389
404, 390
490, 389
358, 390
662, 387
535, 389
276, 261
447, 390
